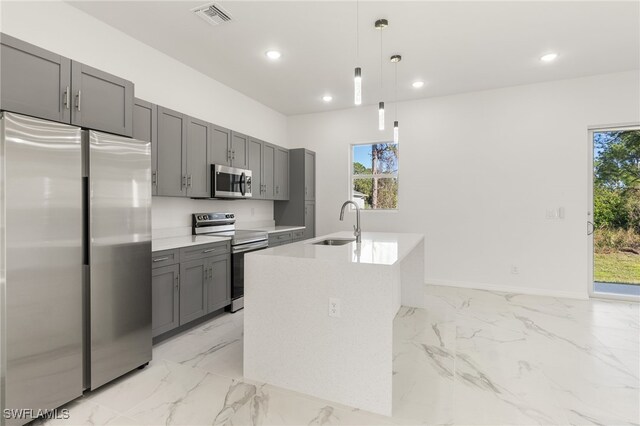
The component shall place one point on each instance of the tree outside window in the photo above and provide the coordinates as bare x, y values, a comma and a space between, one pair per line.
374, 176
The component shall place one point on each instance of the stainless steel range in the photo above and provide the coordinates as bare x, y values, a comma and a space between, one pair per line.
242, 242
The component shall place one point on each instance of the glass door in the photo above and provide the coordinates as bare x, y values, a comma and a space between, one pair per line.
614, 213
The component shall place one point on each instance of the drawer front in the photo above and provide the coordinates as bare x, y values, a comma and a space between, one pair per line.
298, 235
204, 250
280, 238
164, 258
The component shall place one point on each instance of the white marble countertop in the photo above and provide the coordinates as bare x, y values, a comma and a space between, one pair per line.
274, 229
159, 244
376, 248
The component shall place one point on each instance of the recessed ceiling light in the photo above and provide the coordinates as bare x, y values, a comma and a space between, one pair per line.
549, 57
418, 84
327, 98
273, 54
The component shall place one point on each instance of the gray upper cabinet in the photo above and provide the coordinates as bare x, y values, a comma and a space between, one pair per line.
268, 171
255, 165
198, 170
239, 150
193, 289
145, 128
220, 149
34, 81
282, 174
101, 101
172, 134
165, 294
309, 175
219, 283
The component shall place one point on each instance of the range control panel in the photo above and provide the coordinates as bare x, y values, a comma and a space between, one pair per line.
204, 219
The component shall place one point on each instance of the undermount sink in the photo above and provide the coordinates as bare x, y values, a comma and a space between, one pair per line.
335, 242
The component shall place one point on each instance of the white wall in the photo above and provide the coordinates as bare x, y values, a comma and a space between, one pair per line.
478, 172
61, 28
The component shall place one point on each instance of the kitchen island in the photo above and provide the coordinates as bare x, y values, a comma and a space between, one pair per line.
319, 318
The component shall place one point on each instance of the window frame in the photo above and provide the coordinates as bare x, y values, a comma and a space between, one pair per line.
353, 176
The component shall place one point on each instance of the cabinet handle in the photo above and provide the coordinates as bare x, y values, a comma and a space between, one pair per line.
184, 181
211, 272
233, 154
209, 250
67, 98
177, 282
154, 178
160, 259
277, 189
189, 181
229, 155
78, 99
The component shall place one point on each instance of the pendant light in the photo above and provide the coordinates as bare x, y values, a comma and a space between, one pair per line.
357, 78
395, 59
381, 24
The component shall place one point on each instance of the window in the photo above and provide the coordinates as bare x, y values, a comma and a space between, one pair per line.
374, 176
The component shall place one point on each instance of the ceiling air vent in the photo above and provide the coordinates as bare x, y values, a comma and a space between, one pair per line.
212, 13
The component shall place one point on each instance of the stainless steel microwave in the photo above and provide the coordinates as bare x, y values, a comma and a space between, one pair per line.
230, 182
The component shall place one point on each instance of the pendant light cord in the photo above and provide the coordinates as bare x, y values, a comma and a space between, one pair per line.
396, 82
357, 31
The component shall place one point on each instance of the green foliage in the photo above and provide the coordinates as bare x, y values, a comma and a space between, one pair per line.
617, 180
380, 192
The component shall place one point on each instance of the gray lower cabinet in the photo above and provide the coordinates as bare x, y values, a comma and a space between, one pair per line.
239, 150
188, 283
220, 149
101, 101
280, 238
197, 152
219, 283
34, 81
193, 289
172, 135
165, 296
145, 128
255, 165
310, 219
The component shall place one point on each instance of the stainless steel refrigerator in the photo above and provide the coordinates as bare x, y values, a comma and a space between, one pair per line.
77, 247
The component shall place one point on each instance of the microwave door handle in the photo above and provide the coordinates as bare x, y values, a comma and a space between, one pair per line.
243, 184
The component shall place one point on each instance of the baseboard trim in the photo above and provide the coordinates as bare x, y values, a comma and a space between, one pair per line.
509, 289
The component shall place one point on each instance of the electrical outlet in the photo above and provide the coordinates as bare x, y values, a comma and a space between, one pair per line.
515, 270
334, 307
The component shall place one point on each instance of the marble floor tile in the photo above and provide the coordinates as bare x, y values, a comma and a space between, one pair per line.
469, 357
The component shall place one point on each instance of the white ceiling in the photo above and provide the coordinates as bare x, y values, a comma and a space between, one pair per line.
454, 47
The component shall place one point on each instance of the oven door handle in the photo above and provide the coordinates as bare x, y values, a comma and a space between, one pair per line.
250, 247
243, 182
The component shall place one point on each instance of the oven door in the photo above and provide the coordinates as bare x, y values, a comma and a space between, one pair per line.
229, 182
237, 271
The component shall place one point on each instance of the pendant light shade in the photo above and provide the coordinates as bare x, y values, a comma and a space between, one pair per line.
357, 87
395, 131
381, 116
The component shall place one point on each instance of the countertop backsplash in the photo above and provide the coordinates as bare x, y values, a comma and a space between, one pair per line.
171, 216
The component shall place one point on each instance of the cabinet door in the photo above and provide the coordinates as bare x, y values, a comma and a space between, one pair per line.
172, 133
219, 283
220, 149
145, 128
255, 165
165, 296
239, 150
309, 176
198, 170
34, 81
282, 173
101, 101
310, 219
193, 289
268, 171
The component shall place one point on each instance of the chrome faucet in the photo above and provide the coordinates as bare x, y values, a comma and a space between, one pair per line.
356, 229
